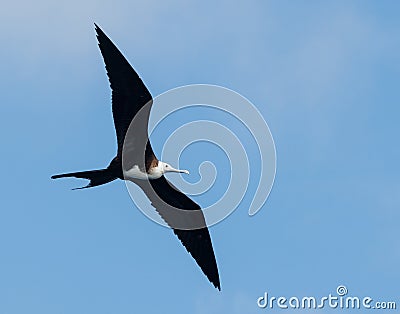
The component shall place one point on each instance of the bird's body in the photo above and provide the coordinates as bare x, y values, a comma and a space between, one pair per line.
136, 173
135, 160
154, 172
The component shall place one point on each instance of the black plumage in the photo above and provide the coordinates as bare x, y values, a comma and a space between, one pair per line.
131, 100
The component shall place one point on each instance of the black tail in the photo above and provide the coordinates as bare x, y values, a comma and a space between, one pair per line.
96, 177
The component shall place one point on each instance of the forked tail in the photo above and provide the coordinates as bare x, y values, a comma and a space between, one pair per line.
96, 177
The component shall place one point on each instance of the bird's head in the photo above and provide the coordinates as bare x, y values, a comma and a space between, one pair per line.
168, 168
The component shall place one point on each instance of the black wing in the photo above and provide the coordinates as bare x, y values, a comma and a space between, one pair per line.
129, 96
181, 214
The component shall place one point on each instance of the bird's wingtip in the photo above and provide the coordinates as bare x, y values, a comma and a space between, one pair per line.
216, 283
97, 29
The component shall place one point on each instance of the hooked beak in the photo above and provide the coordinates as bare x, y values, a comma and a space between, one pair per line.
178, 170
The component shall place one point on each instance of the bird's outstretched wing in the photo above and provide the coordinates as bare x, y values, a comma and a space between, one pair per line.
181, 213
129, 96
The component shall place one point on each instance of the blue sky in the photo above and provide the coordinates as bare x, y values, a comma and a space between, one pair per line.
323, 74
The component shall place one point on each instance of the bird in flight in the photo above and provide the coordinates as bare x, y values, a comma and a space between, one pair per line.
135, 160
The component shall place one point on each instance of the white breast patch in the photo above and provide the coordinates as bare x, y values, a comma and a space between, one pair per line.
136, 173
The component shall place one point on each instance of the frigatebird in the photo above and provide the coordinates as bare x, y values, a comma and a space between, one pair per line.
135, 160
